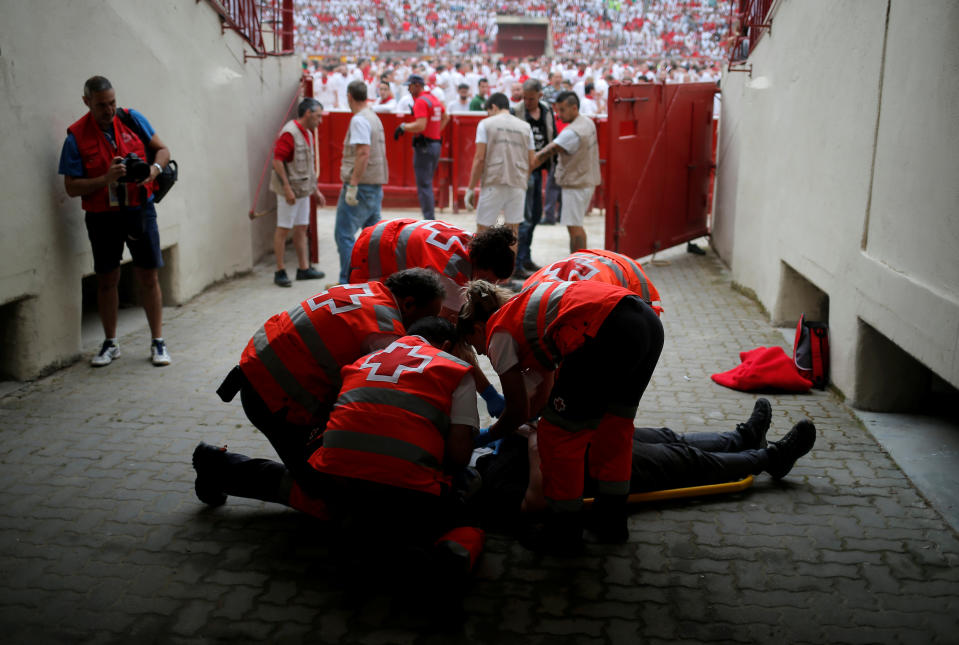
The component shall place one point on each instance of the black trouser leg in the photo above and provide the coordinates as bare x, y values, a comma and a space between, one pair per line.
289, 440
680, 465
242, 476
708, 441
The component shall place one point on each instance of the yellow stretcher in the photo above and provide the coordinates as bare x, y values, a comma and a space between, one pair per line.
692, 491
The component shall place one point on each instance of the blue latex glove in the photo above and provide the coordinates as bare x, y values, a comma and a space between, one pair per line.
483, 439
495, 403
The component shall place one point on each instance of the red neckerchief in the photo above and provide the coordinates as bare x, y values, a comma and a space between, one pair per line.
306, 133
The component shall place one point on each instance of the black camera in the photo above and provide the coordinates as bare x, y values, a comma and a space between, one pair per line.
137, 169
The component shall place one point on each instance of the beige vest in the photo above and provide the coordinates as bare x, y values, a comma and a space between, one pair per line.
581, 169
376, 171
299, 172
507, 151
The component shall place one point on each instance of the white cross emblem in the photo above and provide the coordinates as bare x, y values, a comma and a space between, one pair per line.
395, 360
364, 290
572, 269
440, 230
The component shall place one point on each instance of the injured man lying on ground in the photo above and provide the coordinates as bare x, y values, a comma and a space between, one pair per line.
662, 460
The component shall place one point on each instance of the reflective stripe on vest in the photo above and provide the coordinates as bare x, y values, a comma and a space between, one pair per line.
543, 348
373, 254
281, 375
386, 316
399, 399
456, 265
379, 445
623, 280
318, 350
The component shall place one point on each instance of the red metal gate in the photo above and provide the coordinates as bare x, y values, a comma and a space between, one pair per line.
659, 159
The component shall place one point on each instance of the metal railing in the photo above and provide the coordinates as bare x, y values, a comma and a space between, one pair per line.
254, 18
748, 21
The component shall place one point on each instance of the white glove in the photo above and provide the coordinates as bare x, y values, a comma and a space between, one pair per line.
350, 198
469, 199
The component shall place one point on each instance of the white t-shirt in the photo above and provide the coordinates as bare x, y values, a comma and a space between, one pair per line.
324, 91
360, 131
587, 107
567, 140
338, 82
503, 356
389, 106
481, 136
405, 105
457, 106
464, 410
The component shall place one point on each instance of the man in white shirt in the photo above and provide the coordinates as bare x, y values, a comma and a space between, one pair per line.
457, 78
386, 101
338, 82
577, 171
363, 170
322, 86
462, 102
501, 163
587, 104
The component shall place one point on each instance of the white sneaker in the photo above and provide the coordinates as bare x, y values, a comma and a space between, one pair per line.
108, 351
158, 353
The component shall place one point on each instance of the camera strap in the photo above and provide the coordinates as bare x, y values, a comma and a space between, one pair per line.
127, 119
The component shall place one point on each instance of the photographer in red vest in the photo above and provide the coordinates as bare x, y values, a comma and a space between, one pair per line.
104, 162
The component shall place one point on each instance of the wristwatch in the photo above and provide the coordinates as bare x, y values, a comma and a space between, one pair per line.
158, 167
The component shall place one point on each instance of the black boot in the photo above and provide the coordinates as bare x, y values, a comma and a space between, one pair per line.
206, 460
607, 520
784, 453
561, 534
220, 473
753, 431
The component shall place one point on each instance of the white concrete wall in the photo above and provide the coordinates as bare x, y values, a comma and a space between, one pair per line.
840, 157
217, 113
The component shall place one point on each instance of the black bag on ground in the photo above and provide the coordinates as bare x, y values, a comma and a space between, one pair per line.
170, 173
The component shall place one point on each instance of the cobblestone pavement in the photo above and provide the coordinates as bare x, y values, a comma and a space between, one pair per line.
103, 540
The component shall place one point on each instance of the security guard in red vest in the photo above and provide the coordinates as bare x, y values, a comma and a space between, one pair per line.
430, 119
289, 373
601, 265
603, 342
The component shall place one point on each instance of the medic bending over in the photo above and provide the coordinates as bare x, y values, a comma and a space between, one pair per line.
457, 256
289, 373
605, 343
601, 265
401, 430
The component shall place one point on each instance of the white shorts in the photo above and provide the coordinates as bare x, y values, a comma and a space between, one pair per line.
500, 197
575, 204
297, 214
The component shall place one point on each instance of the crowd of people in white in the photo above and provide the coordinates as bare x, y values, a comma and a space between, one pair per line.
581, 28
464, 83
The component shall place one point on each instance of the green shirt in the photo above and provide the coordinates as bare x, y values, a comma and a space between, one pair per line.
478, 104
